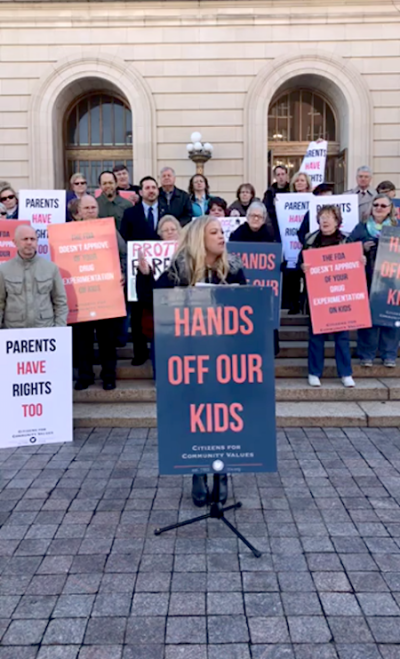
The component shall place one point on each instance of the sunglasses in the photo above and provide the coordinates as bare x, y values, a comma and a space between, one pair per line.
80, 183
9, 198
381, 206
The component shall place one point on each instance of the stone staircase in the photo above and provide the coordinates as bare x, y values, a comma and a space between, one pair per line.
375, 401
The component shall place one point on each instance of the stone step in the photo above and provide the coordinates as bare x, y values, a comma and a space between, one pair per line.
340, 414
144, 391
284, 368
300, 333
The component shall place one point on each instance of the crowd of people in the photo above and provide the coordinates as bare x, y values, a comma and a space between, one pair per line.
161, 211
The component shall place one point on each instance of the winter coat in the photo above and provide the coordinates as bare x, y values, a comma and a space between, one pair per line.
32, 294
244, 234
179, 206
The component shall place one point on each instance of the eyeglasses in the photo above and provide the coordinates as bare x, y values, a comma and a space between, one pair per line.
381, 206
256, 217
9, 198
80, 182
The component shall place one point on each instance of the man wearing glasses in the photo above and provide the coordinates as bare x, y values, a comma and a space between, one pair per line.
8, 197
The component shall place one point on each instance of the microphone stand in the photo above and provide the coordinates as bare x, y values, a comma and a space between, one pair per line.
217, 511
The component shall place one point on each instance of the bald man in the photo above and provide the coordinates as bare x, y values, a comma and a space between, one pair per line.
32, 292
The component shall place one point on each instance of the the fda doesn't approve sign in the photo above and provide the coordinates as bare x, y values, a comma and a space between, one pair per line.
35, 386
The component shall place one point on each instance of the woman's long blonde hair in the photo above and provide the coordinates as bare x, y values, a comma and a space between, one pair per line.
191, 253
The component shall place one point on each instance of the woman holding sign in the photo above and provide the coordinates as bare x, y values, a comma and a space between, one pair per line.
201, 258
329, 219
372, 339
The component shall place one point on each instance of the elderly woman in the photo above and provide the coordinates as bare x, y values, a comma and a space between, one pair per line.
78, 188
258, 228
372, 339
169, 228
329, 219
8, 197
245, 195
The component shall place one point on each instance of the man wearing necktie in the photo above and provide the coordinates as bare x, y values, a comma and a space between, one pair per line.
140, 223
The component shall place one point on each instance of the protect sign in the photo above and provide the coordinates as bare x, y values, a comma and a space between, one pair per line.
42, 208
35, 386
215, 379
158, 254
262, 267
337, 288
88, 258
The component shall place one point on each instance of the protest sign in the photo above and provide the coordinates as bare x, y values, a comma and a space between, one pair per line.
385, 288
314, 162
215, 379
35, 386
262, 267
337, 288
348, 205
290, 210
42, 208
87, 255
7, 231
158, 254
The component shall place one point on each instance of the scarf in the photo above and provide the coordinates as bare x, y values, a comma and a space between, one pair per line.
374, 229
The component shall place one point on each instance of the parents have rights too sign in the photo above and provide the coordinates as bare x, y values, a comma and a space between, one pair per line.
215, 379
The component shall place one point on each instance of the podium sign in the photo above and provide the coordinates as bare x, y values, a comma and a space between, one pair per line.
215, 379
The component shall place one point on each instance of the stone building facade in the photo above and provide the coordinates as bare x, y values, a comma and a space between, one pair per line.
86, 84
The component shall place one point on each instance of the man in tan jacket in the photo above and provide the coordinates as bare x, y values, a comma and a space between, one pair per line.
32, 293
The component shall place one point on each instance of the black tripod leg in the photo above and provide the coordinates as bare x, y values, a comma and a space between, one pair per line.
255, 551
178, 525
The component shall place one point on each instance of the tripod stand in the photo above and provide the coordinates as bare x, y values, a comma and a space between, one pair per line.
217, 511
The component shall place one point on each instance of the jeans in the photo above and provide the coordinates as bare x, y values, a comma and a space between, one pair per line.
372, 339
106, 338
316, 349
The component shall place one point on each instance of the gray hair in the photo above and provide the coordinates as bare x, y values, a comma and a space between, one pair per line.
365, 169
167, 169
168, 218
257, 206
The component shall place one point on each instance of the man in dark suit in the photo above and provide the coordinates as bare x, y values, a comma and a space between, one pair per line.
140, 223
172, 200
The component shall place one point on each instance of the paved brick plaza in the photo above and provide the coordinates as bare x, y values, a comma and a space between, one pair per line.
82, 574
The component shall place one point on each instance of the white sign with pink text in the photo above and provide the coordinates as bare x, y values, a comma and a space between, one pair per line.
41, 208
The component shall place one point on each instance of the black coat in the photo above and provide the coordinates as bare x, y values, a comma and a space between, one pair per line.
180, 206
176, 275
134, 225
269, 203
244, 234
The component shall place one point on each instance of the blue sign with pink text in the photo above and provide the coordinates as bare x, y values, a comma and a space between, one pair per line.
215, 379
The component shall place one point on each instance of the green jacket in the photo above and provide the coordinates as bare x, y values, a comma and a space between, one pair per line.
32, 294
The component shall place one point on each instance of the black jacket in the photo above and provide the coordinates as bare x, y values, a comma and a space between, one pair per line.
244, 234
177, 275
360, 234
269, 203
134, 225
132, 188
180, 206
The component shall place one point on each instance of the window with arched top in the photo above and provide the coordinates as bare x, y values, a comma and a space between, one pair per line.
97, 136
296, 118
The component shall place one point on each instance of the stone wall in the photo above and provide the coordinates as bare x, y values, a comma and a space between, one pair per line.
211, 66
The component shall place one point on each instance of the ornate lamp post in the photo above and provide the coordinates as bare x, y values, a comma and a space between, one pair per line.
199, 152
